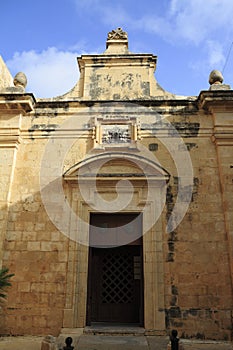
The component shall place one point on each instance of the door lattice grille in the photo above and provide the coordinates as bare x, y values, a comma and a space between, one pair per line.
117, 279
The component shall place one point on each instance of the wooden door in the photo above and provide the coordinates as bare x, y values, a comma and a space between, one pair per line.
115, 290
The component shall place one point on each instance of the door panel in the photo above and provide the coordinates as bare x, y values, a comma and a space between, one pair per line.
109, 230
115, 282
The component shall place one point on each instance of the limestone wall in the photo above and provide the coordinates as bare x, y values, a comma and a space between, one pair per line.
195, 257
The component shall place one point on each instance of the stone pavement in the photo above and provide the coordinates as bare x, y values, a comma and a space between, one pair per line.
103, 342
20, 343
108, 342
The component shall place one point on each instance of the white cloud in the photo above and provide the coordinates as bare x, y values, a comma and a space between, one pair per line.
49, 73
216, 57
193, 20
212, 58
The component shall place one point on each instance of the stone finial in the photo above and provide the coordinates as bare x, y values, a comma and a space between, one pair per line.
215, 77
117, 41
20, 80
117, 34
216, 81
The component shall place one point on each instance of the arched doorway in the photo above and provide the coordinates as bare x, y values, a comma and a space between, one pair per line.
148, 191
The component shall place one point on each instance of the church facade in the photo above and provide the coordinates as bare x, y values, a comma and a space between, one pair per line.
116, 202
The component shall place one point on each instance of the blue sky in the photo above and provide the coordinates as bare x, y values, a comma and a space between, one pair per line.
190, 37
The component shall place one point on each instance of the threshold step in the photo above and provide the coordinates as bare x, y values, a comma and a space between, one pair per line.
113, 330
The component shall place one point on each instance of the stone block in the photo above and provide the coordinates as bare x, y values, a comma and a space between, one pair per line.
24, 286
49, 343
13, 235
50, 287
29, 235
29, 298
58, 267
56, 236
62, 256
46, 246
31, 246
39, 321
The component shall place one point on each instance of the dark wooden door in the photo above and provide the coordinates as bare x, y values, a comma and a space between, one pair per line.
115, 290
110, 230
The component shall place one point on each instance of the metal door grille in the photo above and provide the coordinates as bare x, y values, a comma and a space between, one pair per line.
117, 279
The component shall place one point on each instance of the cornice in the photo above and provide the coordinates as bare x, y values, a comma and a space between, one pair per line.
10, 140
217, 99
16, 103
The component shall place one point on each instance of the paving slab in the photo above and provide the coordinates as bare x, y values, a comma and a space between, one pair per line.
157, 342
21, 343
103, 342
206, 345
160, 343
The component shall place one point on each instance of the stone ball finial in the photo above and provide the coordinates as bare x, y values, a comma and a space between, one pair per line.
215, 77
20, 80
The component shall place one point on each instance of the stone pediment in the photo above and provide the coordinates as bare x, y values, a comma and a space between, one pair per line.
117, 74
117, 165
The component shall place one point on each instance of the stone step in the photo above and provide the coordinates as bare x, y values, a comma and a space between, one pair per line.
116, 330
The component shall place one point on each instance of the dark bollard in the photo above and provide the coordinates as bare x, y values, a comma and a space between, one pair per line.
175, 343
68, 342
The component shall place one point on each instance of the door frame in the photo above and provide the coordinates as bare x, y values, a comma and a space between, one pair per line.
74, 313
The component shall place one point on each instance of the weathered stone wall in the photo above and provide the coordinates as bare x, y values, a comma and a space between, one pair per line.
198, 287
34, 250
196, 260
188, 269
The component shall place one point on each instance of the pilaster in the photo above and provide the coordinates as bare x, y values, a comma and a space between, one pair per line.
219, 103
12, 108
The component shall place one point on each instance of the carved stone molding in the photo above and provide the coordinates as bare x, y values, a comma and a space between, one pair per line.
116, 131
117, 34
